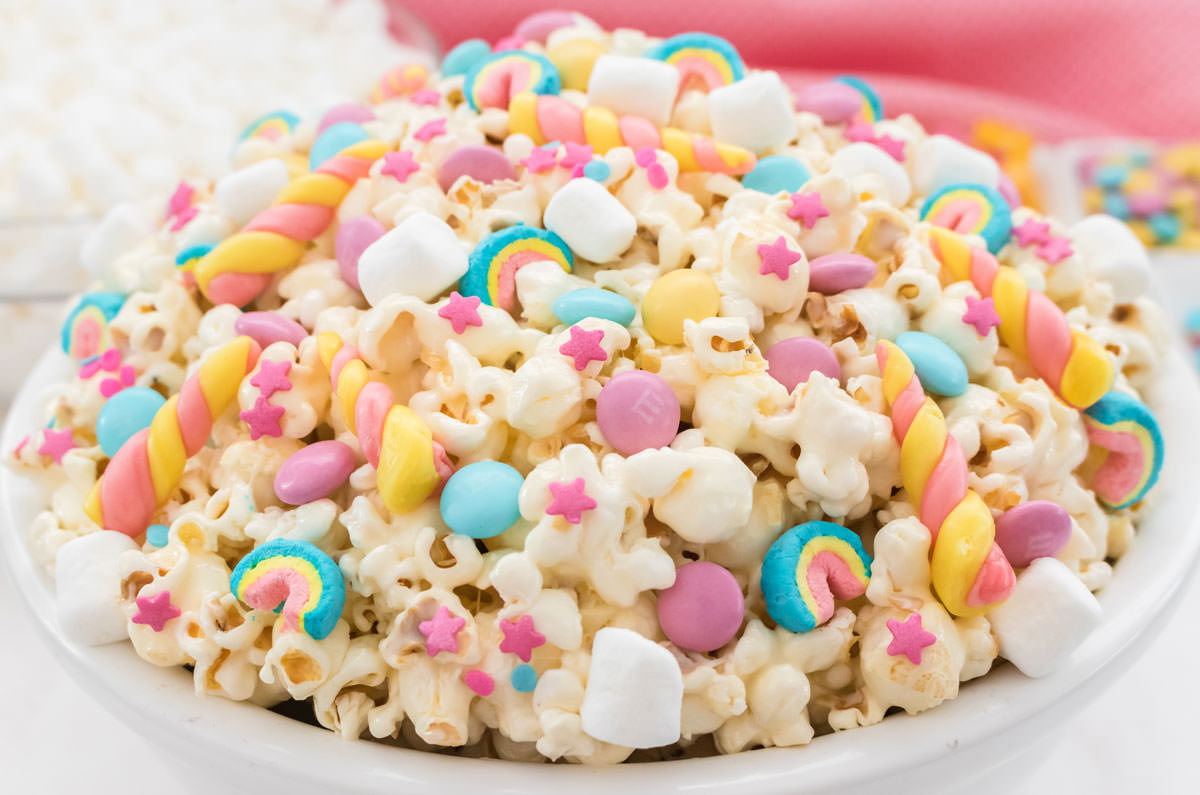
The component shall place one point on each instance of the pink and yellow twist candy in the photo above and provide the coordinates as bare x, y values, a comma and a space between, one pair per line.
970, 573
143, 474
409, 464
242, 266
1075, 366
549, 118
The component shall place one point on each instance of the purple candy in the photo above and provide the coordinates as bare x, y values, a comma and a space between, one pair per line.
791, 361
834, 102
267, 327
350, 111
834, 273
353, 237
703, 610
313, 472
636, 411
538, 27
1037, 529
481, 163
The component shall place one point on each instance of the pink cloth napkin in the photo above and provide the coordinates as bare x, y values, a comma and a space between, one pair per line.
1060, 68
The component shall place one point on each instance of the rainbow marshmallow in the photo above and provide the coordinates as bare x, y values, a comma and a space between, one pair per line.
85, 331
496, 260
296, 579
272, 126
971, 209
807, 567
872, 105
494, 81
1126, 450
700, 57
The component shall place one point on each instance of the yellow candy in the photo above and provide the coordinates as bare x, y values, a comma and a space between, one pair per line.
406, 475
1143, 231
677, 296
574, 60
1140, 181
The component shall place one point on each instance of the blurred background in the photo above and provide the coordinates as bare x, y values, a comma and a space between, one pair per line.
1088, 106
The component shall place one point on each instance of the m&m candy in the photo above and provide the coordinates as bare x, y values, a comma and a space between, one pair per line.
480, 499
637, 410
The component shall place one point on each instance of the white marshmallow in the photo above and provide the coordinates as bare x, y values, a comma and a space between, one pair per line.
634, 694
421, 257
87, 587
1047, 616
1112, 253
124, 227
756, 112
591, 220
631, 86
250, 190
882, 172
941, 160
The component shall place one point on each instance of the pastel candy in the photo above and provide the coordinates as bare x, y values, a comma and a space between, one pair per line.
793, 360
593, 222
574, 59
940, 369
460, 59
574, 306
493, 265
777, 173
313, 472
353, 238
676, 296
940, 160
834, 273
157, 535
1127, 450
971, 209
480, 499
250, 190
296, 580
1035, 529
703, 610
754, 113
491, 82
85, 331
333, 140
703, 60
272, 125
806, 568
538, 27
126, 413
637, 410
1113, 253
865, 164
87, 588
481, 163
834, 101
871, 109
267, 328
631, 86
421, 257
346, 112
634, 693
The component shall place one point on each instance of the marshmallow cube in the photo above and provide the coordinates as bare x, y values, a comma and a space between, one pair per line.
121, 229
87, 588
591, 220
883, 173
1049, 614
631, 86
634, 694
1113, 253
421, 257
247, 192
941, 160
755, 112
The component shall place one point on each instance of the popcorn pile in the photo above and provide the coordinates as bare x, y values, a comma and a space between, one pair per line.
597, 399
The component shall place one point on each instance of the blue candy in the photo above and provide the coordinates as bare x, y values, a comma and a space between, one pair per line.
157, 534
336, 138
675, 49
1117, 206
126, 413
1165, 227
572, 307
597, 170
106, 304
777, 173
868, 93
940, 369
1110, 176
523, 678
480, 500
460, 60
998, 228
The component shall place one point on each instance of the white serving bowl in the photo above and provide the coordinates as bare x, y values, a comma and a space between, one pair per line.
983, 741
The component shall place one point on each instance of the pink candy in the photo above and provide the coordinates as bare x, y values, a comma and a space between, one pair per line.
637, 410
834, 102
703, 610
353, 237
480, 163
314, 472
349, 111
268, 327
538, 27
834, 273
791, 361
1037, 529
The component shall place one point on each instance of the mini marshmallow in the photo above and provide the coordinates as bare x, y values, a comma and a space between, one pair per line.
941, 160
591, 220
634, 694
755, 112
123, 228
1047, 617
883, 172
248, 191
421, 257
87, 585
1113, 254
631, 86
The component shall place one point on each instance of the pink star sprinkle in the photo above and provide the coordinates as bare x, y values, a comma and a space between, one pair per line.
183, 218
430, 130
155, 611
399, 165
777, 258
520, 638
461, 311
577, 155
908, 638
441, 632
981, 313
584, 347
570, 500
125, 378
426, 96
859, 132
180, 200
272, 377
1055, 250
539, 160
808, 208
263, 419
1031, 232
56, 443
893, 146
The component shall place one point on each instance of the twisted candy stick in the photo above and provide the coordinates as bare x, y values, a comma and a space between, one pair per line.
144, 473
970, 573
1031, 325
409, 464
241, 267
549, 118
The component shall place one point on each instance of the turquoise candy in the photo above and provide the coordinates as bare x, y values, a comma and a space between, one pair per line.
460, 60
126, 413
523, 678
334, 140
1165, 227
1127, 429
107, 304
869, 95
597, 170
572, 307
157, 535
1112, 176
480, 500
940, 369
668, 49
777, 173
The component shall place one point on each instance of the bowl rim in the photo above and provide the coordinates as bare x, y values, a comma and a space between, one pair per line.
161, 704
